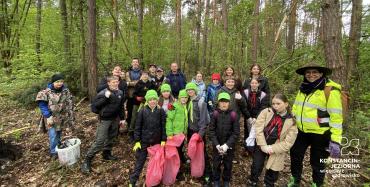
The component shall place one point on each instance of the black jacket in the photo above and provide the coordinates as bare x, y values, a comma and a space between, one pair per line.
239, 106
141, 88
264, 84
110, 108
224, 128
150, 126
262, 102
122, 86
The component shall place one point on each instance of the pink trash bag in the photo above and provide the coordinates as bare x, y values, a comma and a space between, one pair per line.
172, 159
155, 168
196, 155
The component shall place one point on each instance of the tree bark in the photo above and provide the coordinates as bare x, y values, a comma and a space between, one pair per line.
255, 32
198, 30
331, 38
140, 29
205, 35
178, 32
225, 24
354, 38
291, 26
92, 45
83, 65
66, 36
38, 31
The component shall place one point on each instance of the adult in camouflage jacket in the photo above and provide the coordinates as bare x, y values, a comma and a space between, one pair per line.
56, 105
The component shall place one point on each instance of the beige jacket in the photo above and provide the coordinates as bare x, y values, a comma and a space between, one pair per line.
281, 146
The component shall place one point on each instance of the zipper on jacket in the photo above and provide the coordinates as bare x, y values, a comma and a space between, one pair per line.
304, 101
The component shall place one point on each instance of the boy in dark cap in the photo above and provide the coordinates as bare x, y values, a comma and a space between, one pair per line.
56, 106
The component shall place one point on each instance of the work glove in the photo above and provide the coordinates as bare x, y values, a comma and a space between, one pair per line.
334, 149
163, 143
224, 148
267, 149
107, 94
219, 149
49, 121
169, 137
210, 103
250, 121
238, 96
137, 146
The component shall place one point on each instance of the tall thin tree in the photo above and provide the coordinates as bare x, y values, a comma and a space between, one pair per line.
66, 35
38, 31
92, 45
354, 37
255, 32
178, 32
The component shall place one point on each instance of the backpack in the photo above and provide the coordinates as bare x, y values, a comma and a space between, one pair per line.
94, 109
344, 96
233, 115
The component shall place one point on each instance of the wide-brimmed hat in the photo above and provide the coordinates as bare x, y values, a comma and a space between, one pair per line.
324, 70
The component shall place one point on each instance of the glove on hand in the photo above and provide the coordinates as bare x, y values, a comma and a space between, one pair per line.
137, 146
334, 149
107, 93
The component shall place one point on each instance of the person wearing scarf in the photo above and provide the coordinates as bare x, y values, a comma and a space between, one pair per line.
319, 121
275, 133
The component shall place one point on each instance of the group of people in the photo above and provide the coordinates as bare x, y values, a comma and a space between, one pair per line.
158, 107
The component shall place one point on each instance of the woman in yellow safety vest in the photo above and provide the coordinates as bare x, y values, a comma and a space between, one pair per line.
319, 121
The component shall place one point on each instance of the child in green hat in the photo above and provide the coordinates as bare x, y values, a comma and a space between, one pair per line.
149, 131
166, 99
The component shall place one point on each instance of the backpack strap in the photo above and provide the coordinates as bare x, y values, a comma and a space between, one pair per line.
327, 90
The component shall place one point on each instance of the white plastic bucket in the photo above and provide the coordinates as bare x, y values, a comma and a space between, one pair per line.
70, 154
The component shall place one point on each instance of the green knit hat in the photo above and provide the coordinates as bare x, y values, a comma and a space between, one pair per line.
165, 88
151, 94
191, 86
183, 93
224, 96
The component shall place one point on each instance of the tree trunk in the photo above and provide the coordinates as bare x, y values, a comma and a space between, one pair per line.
198, 30
354, 37
178, 32
92, 45
205, 35
66, 36
255, 32
140, 29
331, 37
291, 26
83, 47
38, 32
224, 19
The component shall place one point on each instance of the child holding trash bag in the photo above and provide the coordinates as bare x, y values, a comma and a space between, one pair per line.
224, 132
275, 134
257, 100
177, 122
149, 131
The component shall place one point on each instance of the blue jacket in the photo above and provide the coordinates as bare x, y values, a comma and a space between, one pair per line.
211, 96
177, 82
201, 89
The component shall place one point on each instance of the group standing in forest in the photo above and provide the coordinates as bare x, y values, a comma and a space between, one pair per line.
154, 108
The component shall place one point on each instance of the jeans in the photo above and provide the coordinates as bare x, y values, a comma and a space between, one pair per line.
54, 139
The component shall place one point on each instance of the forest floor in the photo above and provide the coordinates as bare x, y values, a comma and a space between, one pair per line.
34, 167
